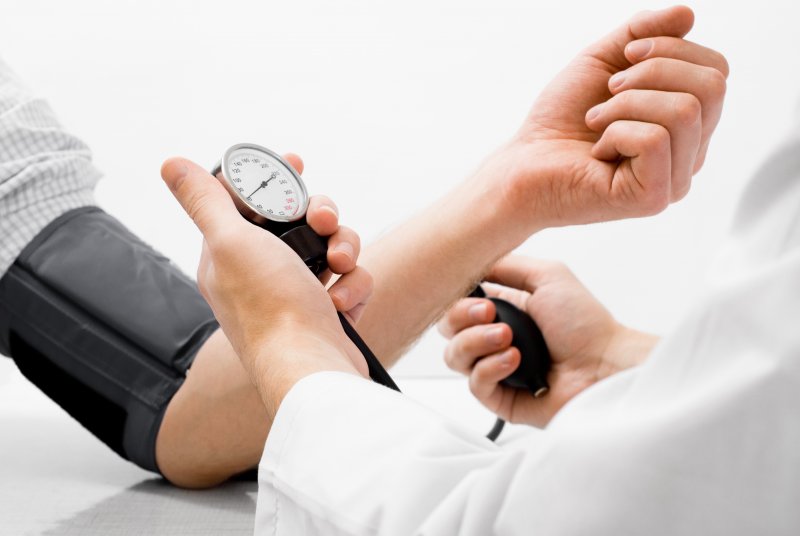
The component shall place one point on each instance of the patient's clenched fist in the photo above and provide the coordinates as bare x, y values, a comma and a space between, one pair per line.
664, 88
620, 132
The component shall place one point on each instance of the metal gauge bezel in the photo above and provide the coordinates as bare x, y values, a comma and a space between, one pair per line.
301, 211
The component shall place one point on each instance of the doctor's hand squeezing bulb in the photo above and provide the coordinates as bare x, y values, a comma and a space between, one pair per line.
531, 374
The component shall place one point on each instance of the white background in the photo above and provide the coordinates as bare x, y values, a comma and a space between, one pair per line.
390, 104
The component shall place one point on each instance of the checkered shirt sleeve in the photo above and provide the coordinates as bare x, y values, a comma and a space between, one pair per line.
44, 170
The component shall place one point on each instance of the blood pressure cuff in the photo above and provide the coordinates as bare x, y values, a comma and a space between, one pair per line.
104, 325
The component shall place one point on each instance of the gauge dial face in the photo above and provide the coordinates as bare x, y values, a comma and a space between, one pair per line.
265, 182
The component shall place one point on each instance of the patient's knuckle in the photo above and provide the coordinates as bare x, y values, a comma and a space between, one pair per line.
656, 200
681, 190
653, 68
654, 138
724, 66
715, 83
687, 108
628, 99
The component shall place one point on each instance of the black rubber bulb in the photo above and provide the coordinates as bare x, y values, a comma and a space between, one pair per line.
531, 374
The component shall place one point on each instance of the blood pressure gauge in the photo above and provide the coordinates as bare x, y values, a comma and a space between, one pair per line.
266, 186
270, 193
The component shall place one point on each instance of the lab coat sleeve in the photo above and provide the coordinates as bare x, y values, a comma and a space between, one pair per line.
701, 439
347, 456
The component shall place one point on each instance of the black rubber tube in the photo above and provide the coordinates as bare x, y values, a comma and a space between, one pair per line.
494, 433
376, 370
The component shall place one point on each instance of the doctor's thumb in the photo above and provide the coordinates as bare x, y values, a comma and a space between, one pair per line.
202, 197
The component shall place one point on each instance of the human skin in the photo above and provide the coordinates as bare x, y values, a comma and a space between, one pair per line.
563, 166
585, 342
215, 425
589, 150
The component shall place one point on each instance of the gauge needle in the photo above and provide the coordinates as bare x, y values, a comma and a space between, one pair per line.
263, 184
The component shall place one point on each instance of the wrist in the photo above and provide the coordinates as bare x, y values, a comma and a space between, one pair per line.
292, 349
627, 348
491, 197
512, 177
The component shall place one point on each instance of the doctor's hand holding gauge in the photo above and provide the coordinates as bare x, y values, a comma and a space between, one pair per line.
296, 326
268, 192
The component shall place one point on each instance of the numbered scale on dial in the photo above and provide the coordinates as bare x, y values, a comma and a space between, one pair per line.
264, 182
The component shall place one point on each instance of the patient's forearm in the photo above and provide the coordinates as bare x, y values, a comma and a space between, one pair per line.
431, 260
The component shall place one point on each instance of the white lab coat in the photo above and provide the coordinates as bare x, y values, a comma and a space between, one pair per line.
703, 438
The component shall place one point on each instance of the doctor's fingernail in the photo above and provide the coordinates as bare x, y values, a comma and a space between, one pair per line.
330, 209
494, 335
346, 248
478, 311
173, 171
355, 312
639, 49
504, 359
181, 170
617, 80
341, 294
